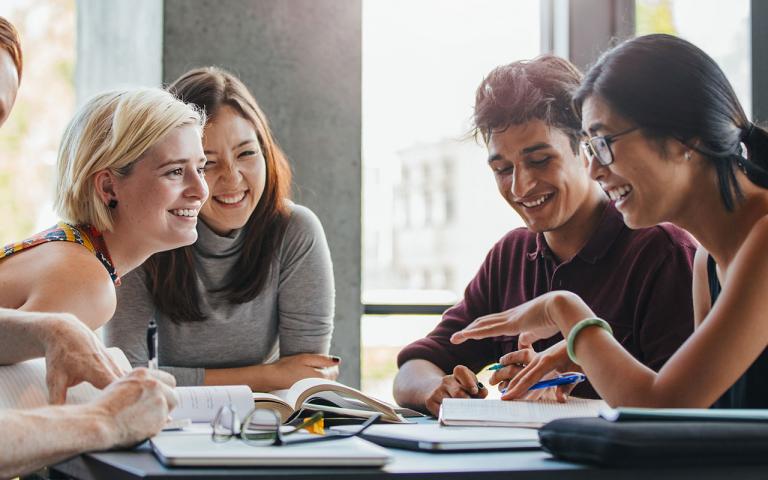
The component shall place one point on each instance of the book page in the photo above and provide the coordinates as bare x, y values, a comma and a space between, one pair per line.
456, 411
22, 385
273, 402
308, 388
200, 404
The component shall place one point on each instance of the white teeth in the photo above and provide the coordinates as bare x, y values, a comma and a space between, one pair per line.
537, 202
184, 212
618, 192
229, 199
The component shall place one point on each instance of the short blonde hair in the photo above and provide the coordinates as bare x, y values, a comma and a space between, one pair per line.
112, 131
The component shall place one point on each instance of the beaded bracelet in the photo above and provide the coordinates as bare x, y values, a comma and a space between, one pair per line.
587, 322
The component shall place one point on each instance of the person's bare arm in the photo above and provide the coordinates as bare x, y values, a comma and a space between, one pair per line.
91, 299
35, 438
422, 385
130, 410
87, 293
725, 344
22, 334
278, 375
73, 353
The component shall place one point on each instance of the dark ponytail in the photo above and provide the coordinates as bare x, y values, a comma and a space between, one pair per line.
755, 164
672, 89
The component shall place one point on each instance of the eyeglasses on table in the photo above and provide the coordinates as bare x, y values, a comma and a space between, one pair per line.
263, 427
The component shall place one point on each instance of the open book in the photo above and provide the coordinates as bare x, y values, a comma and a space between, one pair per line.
200, 404
514, 413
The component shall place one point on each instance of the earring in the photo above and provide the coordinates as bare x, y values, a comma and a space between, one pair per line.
687, 155
112, 203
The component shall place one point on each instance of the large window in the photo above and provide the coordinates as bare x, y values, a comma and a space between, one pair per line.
722, 29
430, 206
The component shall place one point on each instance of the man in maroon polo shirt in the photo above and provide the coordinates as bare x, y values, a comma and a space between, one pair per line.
638, 280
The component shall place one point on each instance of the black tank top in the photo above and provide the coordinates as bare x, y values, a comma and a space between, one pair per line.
751, 390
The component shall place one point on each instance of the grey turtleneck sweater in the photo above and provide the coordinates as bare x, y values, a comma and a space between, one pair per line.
292, 314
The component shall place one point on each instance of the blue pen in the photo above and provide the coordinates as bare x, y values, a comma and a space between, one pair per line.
565, 379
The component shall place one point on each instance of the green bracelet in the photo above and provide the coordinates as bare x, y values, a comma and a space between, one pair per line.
587, 322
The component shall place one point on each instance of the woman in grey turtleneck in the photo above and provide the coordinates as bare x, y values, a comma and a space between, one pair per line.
252, 301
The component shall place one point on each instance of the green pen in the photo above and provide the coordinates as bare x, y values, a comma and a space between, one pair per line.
498, 366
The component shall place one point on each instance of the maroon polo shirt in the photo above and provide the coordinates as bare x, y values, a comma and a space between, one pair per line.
637, 280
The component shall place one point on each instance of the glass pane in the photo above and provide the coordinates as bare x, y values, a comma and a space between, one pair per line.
720, 29
30, 138
431, 209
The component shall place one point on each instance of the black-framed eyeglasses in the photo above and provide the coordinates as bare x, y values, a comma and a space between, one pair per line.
263, 427
599, 148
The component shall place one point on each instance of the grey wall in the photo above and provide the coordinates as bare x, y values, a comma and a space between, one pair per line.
302, 61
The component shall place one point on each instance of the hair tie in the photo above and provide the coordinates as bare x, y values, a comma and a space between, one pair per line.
746, 133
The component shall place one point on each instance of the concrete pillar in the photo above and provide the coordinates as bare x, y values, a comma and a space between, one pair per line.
302, 61
119, 44
610, 22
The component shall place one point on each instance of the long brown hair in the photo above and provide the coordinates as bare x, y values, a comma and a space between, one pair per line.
171, 276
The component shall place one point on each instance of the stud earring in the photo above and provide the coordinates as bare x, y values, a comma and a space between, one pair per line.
687, 155
112, 203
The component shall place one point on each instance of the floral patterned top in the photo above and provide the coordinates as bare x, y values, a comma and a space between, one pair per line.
85, 235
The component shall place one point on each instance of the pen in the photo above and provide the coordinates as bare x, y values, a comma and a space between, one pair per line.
498, 366
564, 379
152, 343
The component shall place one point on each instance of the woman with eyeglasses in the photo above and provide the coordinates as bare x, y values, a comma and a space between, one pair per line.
669, 142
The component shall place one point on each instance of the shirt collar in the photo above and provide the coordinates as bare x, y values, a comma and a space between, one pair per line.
608, 228
211, 243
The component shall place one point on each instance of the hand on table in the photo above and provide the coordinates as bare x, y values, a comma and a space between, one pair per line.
289, 370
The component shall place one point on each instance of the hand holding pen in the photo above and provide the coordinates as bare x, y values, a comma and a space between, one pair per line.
519, 371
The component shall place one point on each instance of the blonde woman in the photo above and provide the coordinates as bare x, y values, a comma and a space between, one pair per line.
130, 184
129, 410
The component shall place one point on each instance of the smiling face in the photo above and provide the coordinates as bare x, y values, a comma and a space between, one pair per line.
538, 174
164, 191
648, 185
236, 171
